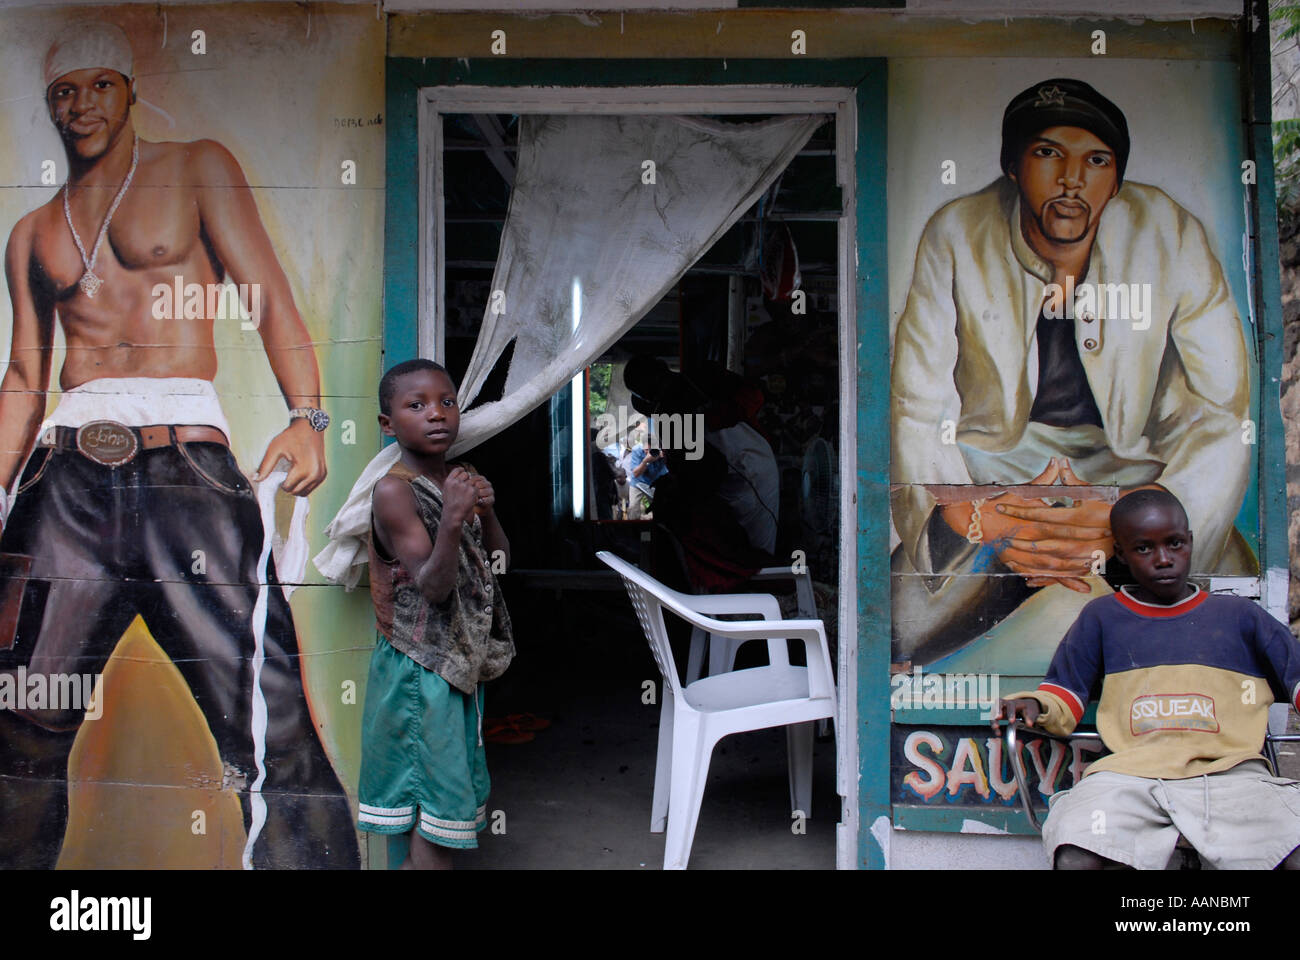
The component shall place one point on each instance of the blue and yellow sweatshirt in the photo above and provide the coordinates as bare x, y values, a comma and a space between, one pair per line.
1185, 688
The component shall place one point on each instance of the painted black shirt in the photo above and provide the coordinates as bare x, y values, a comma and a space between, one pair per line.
1064, 398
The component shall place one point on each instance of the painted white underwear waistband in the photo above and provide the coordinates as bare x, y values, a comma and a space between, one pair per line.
140, 402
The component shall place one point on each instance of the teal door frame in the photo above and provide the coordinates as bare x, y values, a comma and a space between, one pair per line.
1266, 289
868, 687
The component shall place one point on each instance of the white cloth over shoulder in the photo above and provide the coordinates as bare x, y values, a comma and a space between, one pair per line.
346, 554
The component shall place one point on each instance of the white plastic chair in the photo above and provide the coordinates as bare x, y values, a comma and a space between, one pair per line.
694, 718
722, 649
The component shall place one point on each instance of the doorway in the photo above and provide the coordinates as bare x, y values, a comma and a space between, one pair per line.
465, 146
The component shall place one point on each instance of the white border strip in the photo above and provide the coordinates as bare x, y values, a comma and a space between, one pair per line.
266, 501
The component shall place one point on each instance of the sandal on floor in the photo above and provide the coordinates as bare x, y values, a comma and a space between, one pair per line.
504, 731
530, 722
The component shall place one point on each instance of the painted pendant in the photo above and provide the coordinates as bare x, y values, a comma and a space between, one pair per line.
90, 284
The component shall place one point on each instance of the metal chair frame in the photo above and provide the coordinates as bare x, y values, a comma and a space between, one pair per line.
1011, 749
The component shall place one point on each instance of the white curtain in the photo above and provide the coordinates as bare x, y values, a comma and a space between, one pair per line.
606, 215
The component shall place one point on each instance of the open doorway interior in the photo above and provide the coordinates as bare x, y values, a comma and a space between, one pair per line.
759, 313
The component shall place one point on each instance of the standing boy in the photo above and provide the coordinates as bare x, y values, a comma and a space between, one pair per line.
1186, 679
445, 630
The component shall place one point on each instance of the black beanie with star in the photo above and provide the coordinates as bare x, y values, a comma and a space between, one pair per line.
1062, 103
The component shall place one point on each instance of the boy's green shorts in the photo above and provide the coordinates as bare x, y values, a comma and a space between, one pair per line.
420, 754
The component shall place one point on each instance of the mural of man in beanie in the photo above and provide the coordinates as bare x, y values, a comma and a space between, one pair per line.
1016, 361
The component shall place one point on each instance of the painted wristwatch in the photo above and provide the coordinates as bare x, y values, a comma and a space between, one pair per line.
318, 418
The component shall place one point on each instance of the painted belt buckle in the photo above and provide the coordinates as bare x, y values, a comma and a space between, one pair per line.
107, 442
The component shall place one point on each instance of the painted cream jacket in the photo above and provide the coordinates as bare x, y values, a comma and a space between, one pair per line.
1177, 391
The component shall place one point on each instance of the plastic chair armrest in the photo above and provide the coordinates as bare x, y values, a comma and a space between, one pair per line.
811, 632
763, 604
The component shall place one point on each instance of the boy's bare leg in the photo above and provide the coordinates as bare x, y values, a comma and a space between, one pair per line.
1070, 857
425, 855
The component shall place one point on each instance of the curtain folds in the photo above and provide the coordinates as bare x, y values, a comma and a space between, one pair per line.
606, 215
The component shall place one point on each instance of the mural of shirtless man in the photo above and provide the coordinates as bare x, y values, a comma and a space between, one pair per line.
133, 471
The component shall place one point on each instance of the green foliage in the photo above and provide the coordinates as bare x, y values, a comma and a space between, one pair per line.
1287, 13
1286, 133
1286, 166
599, 387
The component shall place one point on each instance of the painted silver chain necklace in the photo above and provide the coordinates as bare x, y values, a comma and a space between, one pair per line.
89, 282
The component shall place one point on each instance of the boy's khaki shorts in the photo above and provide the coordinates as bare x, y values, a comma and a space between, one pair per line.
1242, 818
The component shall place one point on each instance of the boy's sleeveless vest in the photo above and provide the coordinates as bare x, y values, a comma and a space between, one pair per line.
467, 638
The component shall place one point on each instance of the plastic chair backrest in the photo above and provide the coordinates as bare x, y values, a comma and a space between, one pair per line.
649, 597
648, 602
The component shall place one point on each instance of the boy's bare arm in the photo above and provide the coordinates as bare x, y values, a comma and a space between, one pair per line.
433, 565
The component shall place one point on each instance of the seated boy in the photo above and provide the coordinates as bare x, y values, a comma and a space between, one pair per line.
1186, 679
443, 624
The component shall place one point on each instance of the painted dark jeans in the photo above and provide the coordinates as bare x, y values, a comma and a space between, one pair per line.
110, 542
